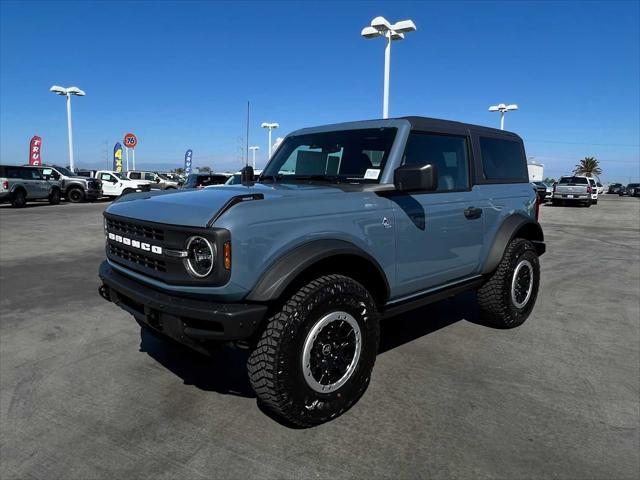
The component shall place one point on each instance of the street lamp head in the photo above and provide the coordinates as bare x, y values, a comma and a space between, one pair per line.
254, 148
513, 106
370, 32
381, 24
397, 36
501, 107
494, 108
269, 125
76, 91
58, 90
404, 26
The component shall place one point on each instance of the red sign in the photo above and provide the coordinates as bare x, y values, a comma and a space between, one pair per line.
130, 140
35, 151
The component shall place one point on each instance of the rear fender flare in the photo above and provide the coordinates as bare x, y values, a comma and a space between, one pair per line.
514, 224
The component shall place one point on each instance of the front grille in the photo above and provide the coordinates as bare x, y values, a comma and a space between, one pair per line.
139, 258
133, 229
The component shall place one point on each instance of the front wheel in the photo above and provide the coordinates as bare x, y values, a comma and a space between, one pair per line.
75, 195
508, 296
315, 356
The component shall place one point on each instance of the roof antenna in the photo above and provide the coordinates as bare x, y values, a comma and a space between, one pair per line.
246, 175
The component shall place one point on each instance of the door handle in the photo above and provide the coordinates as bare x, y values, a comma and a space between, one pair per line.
472, 213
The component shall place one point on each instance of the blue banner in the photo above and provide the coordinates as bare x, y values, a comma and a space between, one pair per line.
117, 158
187, 161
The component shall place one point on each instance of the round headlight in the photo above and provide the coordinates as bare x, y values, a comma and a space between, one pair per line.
200, 257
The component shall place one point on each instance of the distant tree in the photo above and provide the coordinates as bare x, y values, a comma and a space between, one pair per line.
203, 169
549, 180
588, 166
179, 171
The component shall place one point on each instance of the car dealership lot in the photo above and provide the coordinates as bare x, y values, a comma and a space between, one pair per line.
83, 394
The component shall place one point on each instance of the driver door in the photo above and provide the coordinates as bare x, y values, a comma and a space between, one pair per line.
109, 183
438, 233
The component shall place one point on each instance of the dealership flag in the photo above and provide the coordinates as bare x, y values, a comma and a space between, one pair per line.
187, 161
117, 158
35, 151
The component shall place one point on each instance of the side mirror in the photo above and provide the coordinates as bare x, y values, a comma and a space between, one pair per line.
415, 178
157, 180
246, 174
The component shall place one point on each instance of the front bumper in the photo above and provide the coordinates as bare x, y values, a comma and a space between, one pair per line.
93, 193
186, 320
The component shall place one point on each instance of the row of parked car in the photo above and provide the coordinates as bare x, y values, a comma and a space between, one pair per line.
581, 190
632, 190
20, 184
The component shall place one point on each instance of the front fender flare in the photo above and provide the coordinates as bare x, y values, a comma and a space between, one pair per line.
283, 271
506, 233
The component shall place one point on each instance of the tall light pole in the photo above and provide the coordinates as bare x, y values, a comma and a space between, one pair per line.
67, 92
380, 27
253, 149
502, 108
270, 126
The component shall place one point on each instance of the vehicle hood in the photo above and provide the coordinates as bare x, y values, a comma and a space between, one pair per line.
196, 207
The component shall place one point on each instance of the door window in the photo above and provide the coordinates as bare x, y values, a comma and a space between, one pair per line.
149, 176
503, 159
30, 174
134, 175
448, 153
107, 177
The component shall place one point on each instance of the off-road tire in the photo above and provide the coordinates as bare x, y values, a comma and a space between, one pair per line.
54, 197
75, 195
18, 199
275, 364
127, 191
494, 297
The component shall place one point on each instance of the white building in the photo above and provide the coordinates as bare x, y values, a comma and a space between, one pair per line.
536, 172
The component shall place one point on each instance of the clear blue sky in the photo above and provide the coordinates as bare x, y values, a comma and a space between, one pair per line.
179, 75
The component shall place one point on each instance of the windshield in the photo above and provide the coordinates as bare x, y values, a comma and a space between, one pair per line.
345, 156
633, 185
65, 171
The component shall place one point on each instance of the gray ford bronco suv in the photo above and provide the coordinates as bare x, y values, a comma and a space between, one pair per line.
347, 224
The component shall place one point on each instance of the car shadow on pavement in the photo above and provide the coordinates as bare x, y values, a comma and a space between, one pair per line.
225, 370
405, 328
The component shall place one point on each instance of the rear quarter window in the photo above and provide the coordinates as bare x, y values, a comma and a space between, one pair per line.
503, 160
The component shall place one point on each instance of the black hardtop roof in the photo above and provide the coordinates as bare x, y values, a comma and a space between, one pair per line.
427, 123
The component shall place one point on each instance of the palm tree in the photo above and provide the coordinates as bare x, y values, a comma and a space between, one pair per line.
588, 166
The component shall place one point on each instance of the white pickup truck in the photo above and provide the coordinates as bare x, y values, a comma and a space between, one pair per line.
115, 184
574, 189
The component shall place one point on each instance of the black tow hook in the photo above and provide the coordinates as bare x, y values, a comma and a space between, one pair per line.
103, 290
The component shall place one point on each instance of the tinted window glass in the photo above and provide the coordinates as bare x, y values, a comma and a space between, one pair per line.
30, 174
503, 159
344, 155
447, 153
573, 181
134, 175
149, 176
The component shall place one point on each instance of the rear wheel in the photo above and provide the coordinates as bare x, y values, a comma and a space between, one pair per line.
19, 199
54, 197
75, 195
508, 296
315, 356
127, 191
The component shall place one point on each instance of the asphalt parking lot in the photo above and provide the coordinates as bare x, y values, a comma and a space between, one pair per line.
83, 394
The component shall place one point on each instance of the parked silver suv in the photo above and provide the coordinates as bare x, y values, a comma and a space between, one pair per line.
19, 185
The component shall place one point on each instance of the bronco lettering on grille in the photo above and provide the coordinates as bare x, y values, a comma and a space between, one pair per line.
147, 247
